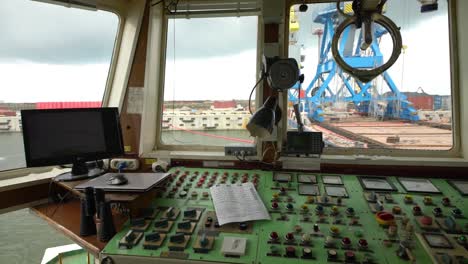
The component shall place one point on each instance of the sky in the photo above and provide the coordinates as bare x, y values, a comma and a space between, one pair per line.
53, 53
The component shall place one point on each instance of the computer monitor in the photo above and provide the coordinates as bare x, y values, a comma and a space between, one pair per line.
71, 136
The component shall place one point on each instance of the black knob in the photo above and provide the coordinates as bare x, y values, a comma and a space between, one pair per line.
306, 252
332, 254
349, 256
457, 212
161, 224
177, 238
290, 252
243, 226
316, 228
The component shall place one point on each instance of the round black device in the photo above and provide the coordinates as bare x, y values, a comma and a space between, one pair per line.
303, 8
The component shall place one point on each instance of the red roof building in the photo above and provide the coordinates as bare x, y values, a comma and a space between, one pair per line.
63, 105
224, 104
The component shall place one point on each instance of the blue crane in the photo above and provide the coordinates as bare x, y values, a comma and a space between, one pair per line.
319, 92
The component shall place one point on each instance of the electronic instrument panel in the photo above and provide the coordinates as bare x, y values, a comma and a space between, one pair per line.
315, 218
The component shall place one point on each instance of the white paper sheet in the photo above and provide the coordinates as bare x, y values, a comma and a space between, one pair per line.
135, 100
238, 203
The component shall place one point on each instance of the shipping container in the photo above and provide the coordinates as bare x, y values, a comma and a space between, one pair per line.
437, 102
421, 100
63, 105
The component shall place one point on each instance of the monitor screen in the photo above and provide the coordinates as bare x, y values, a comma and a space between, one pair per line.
60, 136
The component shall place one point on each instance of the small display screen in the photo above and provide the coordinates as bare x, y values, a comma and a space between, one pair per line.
336, 191
418, 185
308, 189
437, 241
461, 186
332, 179
282, 177
307, 178
379, 184
304, 142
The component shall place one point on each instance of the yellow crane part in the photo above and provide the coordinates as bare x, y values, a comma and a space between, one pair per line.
293, 23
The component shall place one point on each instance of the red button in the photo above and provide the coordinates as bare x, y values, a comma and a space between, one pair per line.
274, 205
346, 241
274, 235
362, 242
290, 236
385, 216
426, 220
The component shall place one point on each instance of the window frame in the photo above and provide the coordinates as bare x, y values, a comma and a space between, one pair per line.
119, 64
151, 144
455, 152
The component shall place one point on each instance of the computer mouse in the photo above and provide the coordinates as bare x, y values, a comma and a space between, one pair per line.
118, 179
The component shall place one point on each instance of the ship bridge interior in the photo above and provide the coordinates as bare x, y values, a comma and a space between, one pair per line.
340, 106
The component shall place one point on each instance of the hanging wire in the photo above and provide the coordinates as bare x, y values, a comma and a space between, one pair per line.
174, 3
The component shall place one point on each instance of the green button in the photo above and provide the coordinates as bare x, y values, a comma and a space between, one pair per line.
358, 233
274, 249
462, 239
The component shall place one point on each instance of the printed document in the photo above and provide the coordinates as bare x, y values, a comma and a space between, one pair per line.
238, 203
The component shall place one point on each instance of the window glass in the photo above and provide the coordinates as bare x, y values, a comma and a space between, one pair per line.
210, 71
409, 107
50, 57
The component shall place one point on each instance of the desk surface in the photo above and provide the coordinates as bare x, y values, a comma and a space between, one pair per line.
110, 196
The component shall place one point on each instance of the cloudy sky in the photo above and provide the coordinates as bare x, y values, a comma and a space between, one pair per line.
52, 53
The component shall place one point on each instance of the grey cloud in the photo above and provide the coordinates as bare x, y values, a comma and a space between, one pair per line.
47, 33
210, 37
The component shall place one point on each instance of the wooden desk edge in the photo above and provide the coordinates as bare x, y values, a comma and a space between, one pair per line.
81, 242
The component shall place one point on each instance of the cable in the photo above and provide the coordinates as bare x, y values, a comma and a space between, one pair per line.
173, 3
49, 196
174, 56
251, 92
59, 204
243, 159
157, 3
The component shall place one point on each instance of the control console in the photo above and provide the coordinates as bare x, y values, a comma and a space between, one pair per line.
315, 218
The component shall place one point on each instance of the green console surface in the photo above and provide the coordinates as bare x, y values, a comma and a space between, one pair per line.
315, 218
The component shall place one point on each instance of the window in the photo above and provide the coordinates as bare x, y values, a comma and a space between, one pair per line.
211, 65
49, 64
408, 108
